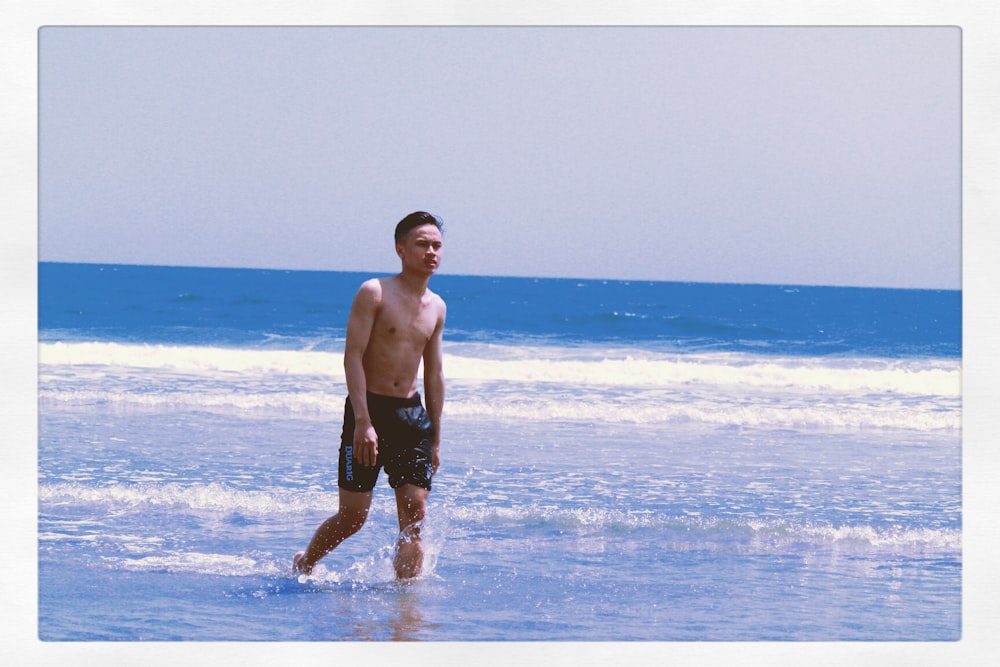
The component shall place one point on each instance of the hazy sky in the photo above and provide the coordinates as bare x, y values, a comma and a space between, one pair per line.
767, 155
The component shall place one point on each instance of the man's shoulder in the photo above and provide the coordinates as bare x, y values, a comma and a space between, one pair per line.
435, 298
371, 286
369, 294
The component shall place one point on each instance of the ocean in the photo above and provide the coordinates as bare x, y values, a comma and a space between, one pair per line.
621, 461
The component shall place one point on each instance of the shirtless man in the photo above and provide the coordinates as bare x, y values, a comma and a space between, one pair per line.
394, 323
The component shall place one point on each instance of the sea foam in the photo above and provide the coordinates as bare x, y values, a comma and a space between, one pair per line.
547, 365
526, 383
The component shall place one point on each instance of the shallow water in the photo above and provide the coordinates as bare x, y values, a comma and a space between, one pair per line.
163, 523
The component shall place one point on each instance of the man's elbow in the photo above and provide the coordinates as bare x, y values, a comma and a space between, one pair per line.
434, 379
352, 359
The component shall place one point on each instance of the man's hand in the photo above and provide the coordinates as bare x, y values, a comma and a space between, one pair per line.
365, 445
435, 458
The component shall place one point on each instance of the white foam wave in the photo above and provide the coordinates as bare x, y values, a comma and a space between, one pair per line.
306, 403
194, 359
211, 497
619, 409
200, 563
375, 569
526, 383
695, 532
711, 371
679, 531
744, 414
565, 366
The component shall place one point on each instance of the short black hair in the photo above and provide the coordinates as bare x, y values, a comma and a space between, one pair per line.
416, 219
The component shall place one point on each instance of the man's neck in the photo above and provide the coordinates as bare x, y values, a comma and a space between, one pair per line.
415, 284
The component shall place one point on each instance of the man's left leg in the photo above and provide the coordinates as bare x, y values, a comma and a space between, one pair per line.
411, 507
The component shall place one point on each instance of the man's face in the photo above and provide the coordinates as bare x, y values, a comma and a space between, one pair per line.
420, 250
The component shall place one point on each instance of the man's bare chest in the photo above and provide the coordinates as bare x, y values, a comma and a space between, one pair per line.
405, 323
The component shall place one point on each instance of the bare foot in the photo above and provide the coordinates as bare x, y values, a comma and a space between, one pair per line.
298, 565
409, 559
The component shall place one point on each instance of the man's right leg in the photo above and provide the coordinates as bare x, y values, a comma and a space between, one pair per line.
350, 516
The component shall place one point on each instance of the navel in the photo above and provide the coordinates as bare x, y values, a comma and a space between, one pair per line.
392, 330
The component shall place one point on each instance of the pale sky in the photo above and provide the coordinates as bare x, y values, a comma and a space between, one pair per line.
798, 155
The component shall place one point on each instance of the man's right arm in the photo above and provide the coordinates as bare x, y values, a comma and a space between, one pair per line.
359, 330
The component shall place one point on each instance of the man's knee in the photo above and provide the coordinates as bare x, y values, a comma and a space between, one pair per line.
353, 509
411, 504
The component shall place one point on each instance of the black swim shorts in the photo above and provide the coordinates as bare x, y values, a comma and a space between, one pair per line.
404, 444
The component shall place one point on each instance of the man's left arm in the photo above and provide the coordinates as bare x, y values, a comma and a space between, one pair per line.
434, 385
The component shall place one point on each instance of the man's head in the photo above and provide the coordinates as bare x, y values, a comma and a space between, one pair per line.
418, 243
414, 220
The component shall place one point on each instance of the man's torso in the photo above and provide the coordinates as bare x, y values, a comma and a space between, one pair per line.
402, 328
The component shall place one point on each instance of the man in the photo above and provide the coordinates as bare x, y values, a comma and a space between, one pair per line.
394, 323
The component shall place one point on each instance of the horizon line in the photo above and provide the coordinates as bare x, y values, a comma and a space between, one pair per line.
513, 276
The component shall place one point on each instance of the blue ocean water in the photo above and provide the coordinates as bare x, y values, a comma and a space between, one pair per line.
212, 306
621, 461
